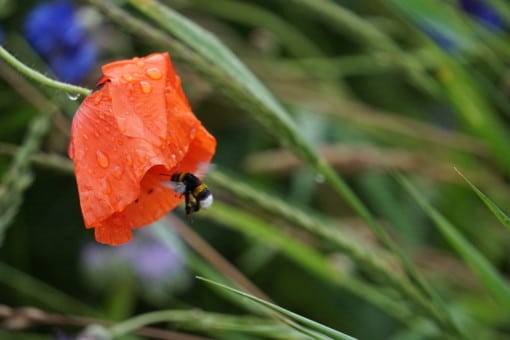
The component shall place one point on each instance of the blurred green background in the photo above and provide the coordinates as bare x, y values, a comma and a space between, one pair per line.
336, 191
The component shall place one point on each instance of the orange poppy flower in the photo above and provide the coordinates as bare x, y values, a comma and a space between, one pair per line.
137, 126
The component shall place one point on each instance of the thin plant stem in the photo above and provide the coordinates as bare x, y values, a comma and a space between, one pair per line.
39, 77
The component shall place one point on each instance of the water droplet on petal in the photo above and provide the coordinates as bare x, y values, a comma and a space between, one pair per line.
154, 73
193, 133
127, 77
102, 159
107, 187
73, 96
146, 86
129, 160
117, 172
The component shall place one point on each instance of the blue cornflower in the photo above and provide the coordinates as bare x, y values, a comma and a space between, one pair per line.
54, 32
450, 36
483, 12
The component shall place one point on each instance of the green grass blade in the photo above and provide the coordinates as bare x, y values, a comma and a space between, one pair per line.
486, 272
502, 217
306, 257
251, 14
207, 45
207, 322
365, 257
460, 87
41, 292
296, 317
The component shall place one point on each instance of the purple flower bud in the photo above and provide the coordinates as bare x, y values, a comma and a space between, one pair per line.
147, 260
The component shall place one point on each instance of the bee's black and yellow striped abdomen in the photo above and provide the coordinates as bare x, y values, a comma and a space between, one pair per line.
196, 193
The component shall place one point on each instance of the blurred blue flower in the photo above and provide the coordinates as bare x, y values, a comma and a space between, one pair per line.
159, 269
450, 37
55, 33
483, 12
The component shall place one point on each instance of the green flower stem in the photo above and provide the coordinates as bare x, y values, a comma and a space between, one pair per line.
19, 177
40, 78
51, 161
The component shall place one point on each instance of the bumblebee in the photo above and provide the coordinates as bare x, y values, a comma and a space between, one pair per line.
196, 194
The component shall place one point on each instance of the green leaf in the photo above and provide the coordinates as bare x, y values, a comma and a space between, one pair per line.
486, 272
320, 328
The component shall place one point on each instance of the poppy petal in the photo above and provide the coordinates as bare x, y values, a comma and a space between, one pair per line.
124, 136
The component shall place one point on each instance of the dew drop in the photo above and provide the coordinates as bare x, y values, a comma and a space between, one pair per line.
193, 133
146, 86
117, 172
73, 96
128, 77
102, 159
319, 178
154, 73
86, 137
97, 100
107, 187
129, 160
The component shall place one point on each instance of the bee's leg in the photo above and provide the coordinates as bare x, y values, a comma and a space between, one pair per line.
188, 206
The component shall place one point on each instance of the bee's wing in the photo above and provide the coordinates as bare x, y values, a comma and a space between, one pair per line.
202, 169
178, 187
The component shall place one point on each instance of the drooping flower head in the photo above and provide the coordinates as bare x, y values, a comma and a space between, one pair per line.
124, 136
55, 33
